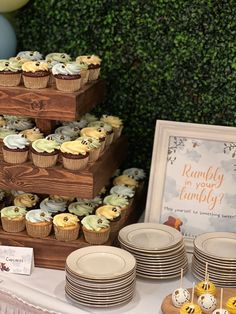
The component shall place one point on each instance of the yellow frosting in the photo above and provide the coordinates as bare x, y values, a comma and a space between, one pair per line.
231, 305
205, 287
108, 211
19, 59
32, 134
34, 66
91, 59
2, 121
65, 220
93, 132
115, 122
26, 200
62, 198
190, 308
74, 147
125, 180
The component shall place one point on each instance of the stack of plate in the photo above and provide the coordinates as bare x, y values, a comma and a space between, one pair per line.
218, 249
158, 249
100, 276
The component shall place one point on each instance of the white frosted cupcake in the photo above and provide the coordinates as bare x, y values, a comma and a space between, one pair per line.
68, 131
67, 76
29, 55
38, 223
53, 205
15, 149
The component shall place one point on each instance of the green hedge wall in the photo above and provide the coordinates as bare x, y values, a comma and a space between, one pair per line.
162, 59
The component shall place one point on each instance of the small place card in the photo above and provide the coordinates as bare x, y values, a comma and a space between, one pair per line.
17, 260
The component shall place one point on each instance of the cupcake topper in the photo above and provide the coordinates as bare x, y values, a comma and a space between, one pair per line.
221, 298
181, 277
206, 271
192, 296
207, 282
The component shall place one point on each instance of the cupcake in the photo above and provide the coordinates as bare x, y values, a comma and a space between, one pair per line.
97, 133
112, 214
26, 200
92, 202
58, 138
84, 72
53, 205
122, 190
135, 173
80, 124
38, 223
94, 65
126, 181
106, 127
118, 201
35, 74
5, 130
62, 198
10, 73
44, 153
80, 209
66, 227
67, 76
58, 57
70, 132
89, 117
96, 229
75, 155
29, 55
13, 218
32, 134
20, 123
115, 122
15, 149
93, 145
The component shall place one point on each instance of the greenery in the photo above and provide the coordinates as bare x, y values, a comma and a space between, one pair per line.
162, 59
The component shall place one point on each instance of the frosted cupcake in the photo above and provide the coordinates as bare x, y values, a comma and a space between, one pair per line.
124, 191
15, 149
58, 57
20, 124
135, 173
80, 209
94, 65
62, 198
126, 181
116, 124
53, 205
66, 227
44, 153
106, 127
112, 214
84, 72
29, 55
80, 124
89, 117
97, 133
118, 201
35, 74
32, 134
10, 73
26, 200
13, 218
67, 76
96, 229
75, 155
92, 202
70, 132
93, 145
5, 130
38, 223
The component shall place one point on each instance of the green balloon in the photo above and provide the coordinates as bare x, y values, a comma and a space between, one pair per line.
11, 5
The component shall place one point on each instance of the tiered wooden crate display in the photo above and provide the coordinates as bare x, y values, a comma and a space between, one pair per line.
47, 106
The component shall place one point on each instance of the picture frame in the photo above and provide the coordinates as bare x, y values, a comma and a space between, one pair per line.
193, 178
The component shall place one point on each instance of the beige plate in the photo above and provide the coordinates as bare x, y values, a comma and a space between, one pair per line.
151, 276
100, 262
150, 237
220, 245
221, 283
218, 262
162, 265
213, 266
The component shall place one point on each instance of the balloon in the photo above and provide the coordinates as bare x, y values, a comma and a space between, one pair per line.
7, 39
11, 5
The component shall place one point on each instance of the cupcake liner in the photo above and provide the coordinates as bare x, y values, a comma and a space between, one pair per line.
35, 81
84, 76
43, 161
13, 225
66, 234
94, 74
12, 79
94, 154
15, 157
68, 85
75, 164
38, 230
96, 237
117, 132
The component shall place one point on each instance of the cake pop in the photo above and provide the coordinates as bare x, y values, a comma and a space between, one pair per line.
205, 286
221, 310
190, 307
180, 295
231, 305
207, 302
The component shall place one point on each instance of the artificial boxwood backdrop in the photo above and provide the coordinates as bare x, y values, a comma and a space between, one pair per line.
162, 59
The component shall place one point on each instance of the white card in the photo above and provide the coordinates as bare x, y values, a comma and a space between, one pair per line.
17, 260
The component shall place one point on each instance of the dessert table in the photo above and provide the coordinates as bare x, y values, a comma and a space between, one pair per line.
43, 292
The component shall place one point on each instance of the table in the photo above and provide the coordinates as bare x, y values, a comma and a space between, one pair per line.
45, 288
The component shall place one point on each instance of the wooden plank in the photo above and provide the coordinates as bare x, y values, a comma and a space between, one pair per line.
49, 103
58, 180
45, 126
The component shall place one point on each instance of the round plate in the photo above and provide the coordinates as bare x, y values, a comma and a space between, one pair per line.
100, 262
220, 245
216, 282
150, 236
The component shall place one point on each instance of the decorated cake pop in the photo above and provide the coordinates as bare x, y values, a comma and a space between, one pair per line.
207, 302
205, 286
190, 307
221, 310
231, 305
180, 295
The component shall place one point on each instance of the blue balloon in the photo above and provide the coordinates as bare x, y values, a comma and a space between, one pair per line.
7, 39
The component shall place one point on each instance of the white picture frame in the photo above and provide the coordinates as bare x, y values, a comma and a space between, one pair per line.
215, 142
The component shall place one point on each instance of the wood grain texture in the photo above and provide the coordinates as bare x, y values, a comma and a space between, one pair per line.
58, 180
168, 308
49, 103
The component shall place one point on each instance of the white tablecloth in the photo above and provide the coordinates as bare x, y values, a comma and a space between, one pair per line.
44, 289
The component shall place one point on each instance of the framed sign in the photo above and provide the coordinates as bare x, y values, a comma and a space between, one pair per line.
192, 184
